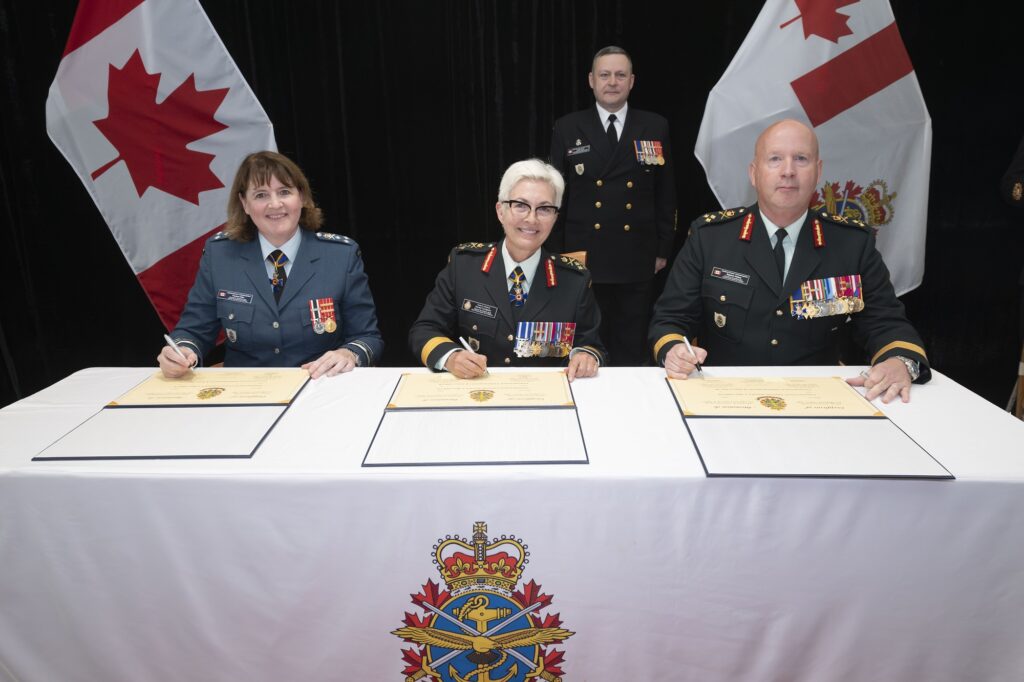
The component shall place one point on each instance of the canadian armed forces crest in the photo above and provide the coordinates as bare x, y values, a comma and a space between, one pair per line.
480, 628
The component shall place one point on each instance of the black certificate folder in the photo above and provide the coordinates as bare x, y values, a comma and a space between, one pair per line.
462, 435
772, 445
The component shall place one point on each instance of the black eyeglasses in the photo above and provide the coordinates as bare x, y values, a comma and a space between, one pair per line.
522, 209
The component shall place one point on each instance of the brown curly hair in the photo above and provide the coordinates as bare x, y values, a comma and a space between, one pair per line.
257, 169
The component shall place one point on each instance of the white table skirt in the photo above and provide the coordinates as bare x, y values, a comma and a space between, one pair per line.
298, 563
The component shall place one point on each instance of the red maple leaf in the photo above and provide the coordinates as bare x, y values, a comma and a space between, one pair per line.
430, 595
412, 620
821, 18
414, 659
548, 621
552, 659
531, 595
851, 190
150, 138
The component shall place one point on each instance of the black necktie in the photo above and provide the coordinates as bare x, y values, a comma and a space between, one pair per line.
780, 254
278, 259
613, 137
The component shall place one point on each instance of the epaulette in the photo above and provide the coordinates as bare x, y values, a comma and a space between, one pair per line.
842, 220
717, 217
474, 247
219, 236
568, 262
336, 238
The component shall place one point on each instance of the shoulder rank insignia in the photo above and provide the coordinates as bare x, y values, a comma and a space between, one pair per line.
841, 219
331, 237
491, 249
219, 236
722, 216
473, 247
569, 263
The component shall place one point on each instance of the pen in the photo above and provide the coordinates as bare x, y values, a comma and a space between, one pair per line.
690, 348
465, 344
170, 342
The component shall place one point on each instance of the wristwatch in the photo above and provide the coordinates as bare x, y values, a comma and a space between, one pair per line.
913, 367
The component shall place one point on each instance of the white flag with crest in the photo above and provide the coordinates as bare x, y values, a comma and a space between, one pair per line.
841, 66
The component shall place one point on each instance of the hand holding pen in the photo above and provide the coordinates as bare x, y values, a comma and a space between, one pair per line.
467, 365
176, 361
682, 359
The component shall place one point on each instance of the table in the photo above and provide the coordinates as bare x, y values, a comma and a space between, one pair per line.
299, 563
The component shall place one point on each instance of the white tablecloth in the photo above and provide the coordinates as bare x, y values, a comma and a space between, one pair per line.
298, 563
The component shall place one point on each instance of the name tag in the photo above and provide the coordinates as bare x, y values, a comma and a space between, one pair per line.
478, 308
583, 149
234, 296
730, 276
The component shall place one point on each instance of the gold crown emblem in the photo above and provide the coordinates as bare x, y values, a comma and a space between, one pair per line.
872, 205
496, 565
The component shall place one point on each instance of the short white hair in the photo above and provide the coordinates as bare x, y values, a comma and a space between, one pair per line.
531, 169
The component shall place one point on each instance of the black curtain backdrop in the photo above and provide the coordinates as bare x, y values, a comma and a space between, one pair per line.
405, 114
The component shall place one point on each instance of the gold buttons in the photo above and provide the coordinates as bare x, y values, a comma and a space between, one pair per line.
275, 324
629, 207
722, 298
629, 184
474, 327
511, 338
600, 183
597, 204
626, 228
778, 313
775, 342
597, 226
508, 361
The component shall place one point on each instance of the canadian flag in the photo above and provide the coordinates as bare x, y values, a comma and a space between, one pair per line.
841, 66
154, 116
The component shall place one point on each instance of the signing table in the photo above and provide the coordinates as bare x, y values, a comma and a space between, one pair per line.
298, 563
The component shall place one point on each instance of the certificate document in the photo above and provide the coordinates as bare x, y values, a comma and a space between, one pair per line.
495, 389
770, 397
204, 387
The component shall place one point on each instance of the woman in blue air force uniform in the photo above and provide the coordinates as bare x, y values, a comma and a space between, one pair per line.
283, 296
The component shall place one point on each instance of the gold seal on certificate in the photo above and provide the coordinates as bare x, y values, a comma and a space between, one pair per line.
771, 397
217, 387
496, 389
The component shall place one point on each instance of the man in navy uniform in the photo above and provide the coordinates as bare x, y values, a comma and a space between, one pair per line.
773, 283
620, 201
